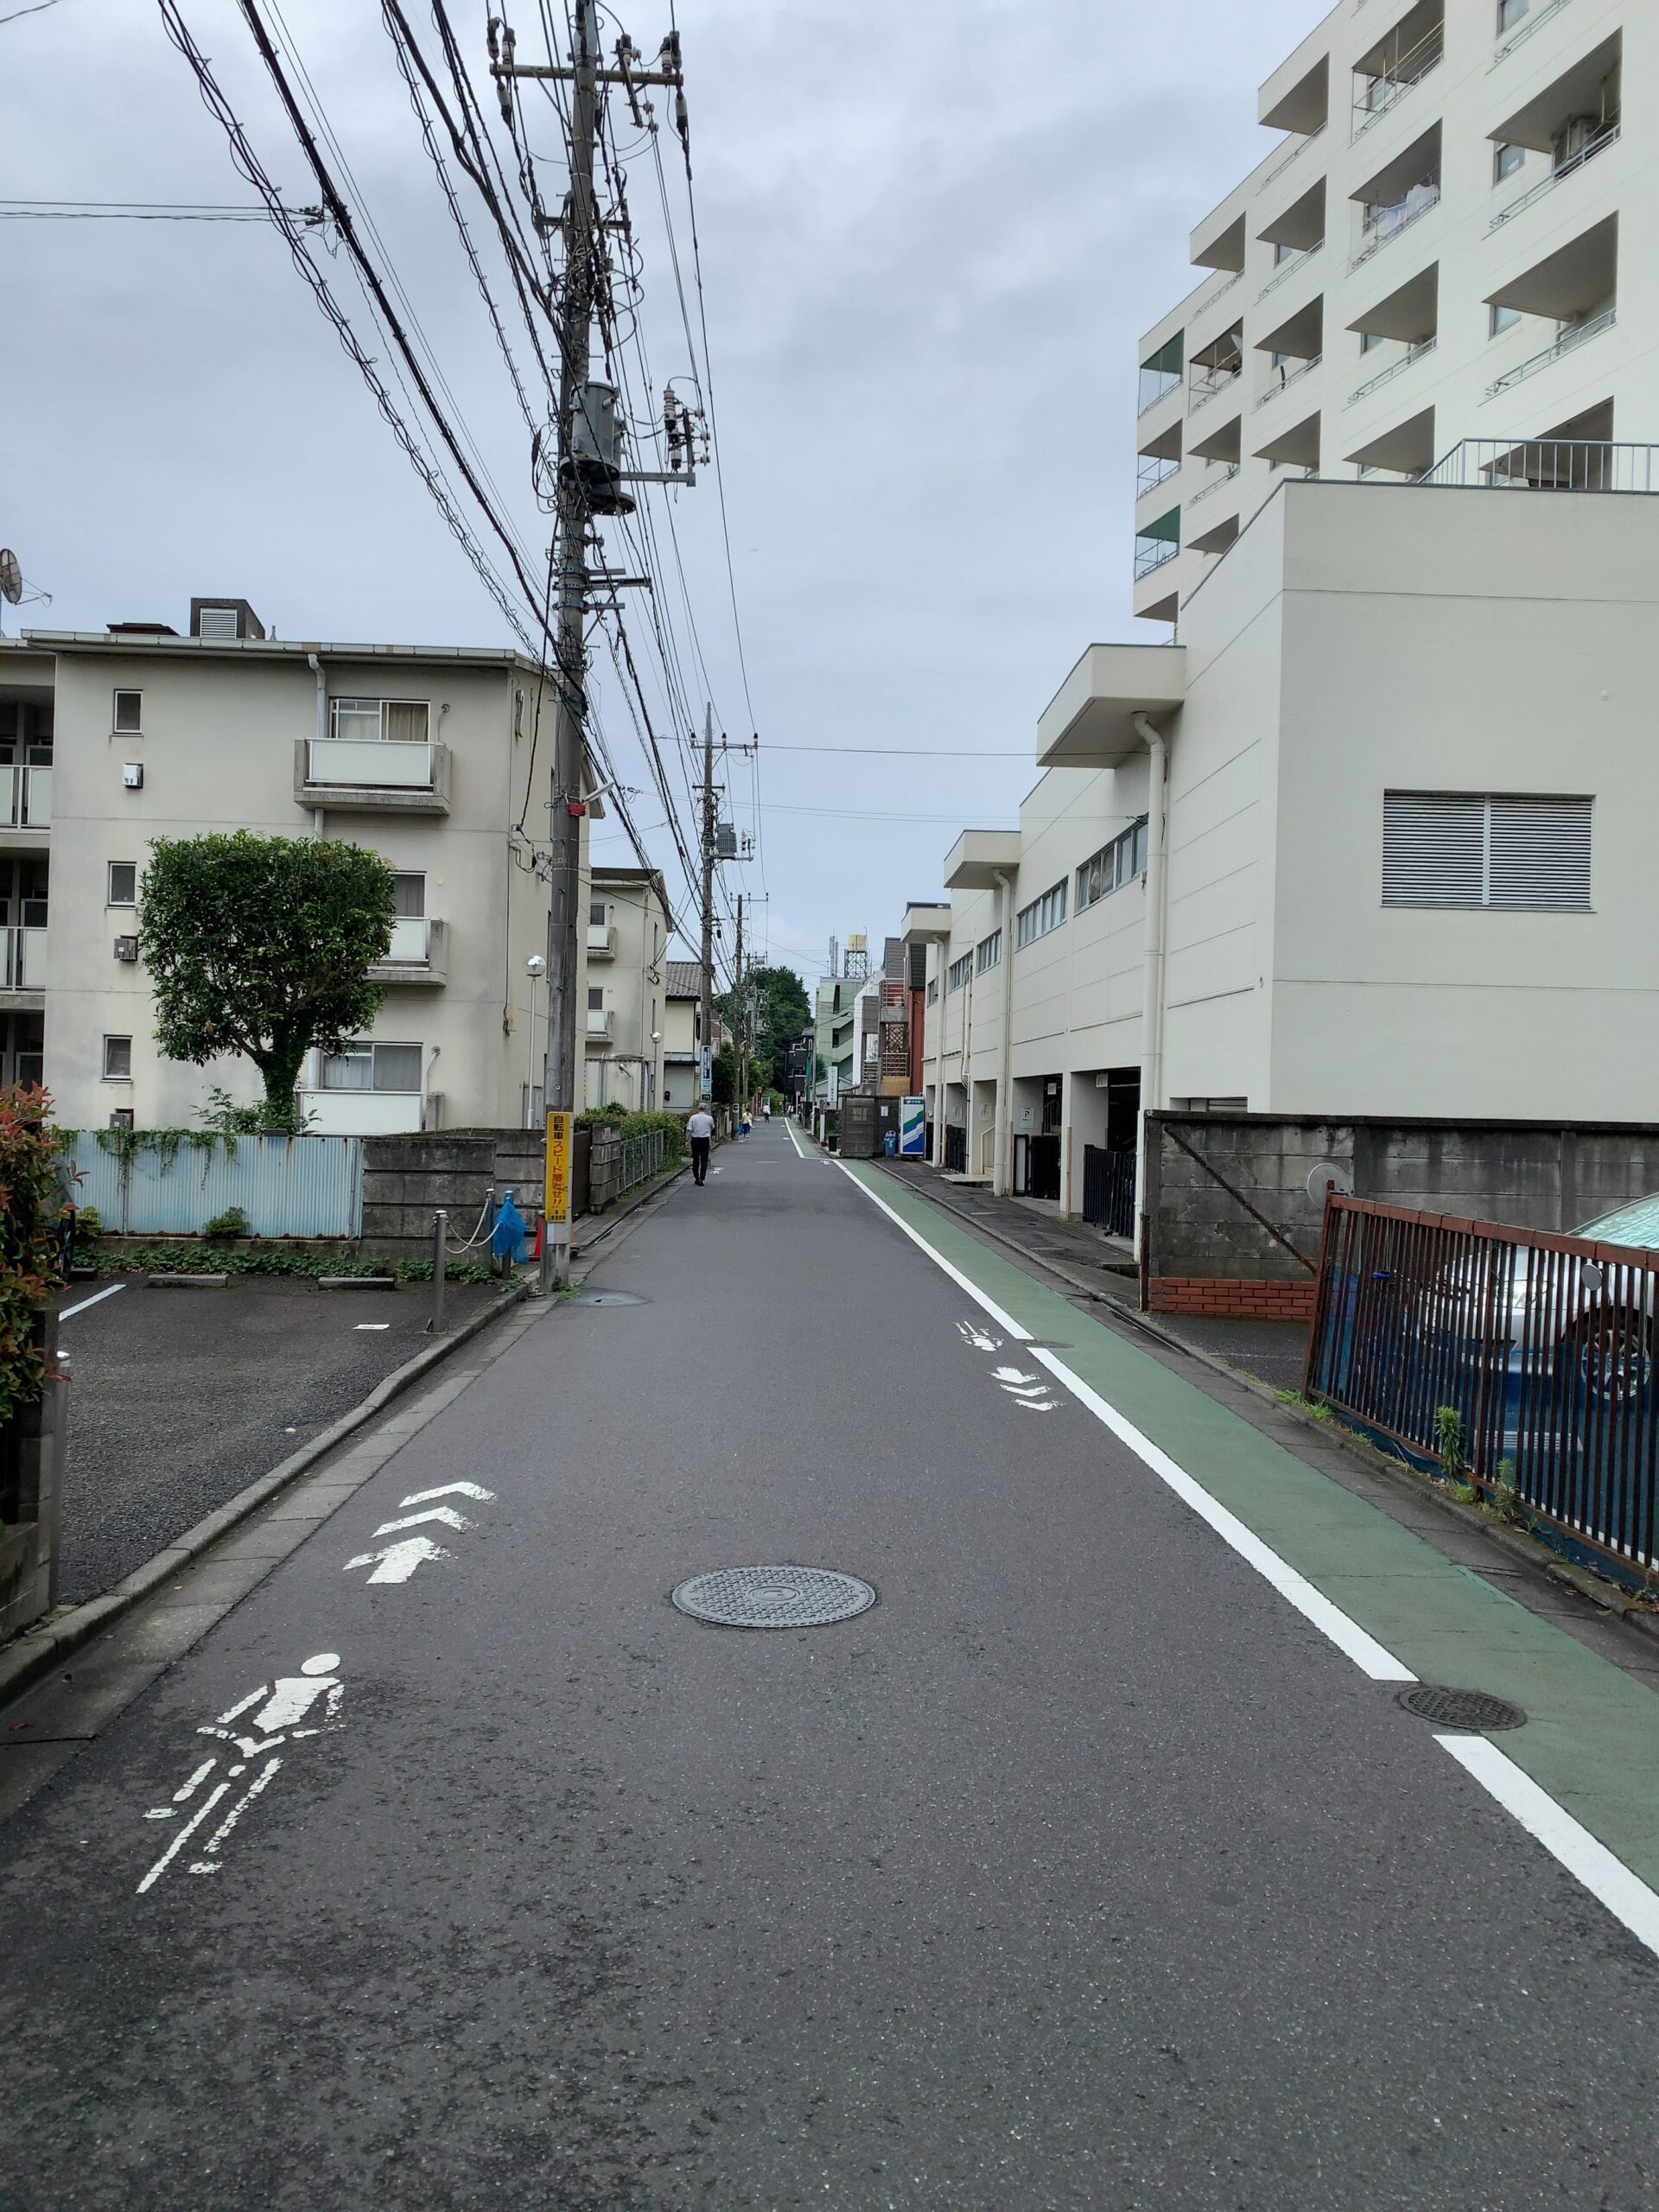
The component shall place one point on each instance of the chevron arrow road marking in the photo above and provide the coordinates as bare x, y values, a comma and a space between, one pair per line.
447, 1514
449, 1489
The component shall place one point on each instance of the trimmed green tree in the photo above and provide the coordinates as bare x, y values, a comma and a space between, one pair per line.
262, 946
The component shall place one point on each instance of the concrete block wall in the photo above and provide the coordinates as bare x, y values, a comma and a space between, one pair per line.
1204, 1251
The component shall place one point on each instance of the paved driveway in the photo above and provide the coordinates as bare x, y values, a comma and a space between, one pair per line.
179, 1398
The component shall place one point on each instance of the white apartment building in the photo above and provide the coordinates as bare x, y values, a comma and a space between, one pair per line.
1453, 241
1370, 836
628, 927
430, 755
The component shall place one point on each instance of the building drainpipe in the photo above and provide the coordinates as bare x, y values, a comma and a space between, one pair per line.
1152, 965
322, 728
1003, 1110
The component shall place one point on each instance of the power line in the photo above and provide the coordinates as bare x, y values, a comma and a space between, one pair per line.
144, 211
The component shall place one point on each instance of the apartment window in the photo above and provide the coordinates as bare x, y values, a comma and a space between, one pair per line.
123, 884
933, 992
1509, 13
959, 970
1472, 849
1113, 865
1160, 372
403, 721
1505, 161
118, 1059
1211, 1105
595, 999
1042, 915
1504, 319
408, 894
987, 952
596, 913
128, 713
367, 1064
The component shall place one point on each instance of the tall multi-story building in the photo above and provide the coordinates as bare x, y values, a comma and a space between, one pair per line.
428, 755
628, 928
1451, 241
1369, 836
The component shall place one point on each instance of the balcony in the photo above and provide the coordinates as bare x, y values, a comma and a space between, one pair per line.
1576, 335
1535, 22
25, 807
370, 1113
599, 1025
1091, 721
419, 952
1215, 485
1587, 152
352, 775
1573, 120
1386, 376
22, 965
1398, 61
1286, 380
1293, 267
601, 941
1548, 465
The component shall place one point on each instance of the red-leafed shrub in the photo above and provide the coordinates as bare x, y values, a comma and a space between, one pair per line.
31, 1205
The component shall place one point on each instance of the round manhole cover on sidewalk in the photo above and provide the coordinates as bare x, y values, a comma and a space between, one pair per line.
1461, 1708
773, 1597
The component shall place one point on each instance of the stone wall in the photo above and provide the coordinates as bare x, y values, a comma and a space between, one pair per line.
406, 1178
1204, 1251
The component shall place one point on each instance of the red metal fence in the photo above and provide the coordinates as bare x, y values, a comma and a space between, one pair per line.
1526, 1358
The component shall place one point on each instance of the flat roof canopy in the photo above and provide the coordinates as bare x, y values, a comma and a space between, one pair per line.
1089, 722
979, 856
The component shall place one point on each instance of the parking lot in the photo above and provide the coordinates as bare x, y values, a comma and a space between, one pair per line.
179, 1398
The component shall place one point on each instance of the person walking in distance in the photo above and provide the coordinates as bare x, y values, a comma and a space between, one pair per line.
700, 1128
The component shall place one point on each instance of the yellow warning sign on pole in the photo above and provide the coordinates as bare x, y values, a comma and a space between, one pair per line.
556, 1204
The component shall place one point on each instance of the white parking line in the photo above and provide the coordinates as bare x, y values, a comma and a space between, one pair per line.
69, 1312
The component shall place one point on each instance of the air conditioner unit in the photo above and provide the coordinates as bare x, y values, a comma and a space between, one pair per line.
126, 948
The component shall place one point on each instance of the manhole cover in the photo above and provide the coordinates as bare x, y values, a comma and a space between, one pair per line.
607, 1297
1461, 1708
773, 1597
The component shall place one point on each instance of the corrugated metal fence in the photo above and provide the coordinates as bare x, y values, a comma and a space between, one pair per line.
287, 1186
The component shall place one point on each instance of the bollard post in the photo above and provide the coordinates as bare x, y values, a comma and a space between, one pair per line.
440, 1226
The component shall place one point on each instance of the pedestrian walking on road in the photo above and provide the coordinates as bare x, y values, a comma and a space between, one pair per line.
700, 1128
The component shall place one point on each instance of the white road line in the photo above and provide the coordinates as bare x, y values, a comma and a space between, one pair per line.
1001, 1319
96, 1298
1607, 1878
182, 1837
1625, 1894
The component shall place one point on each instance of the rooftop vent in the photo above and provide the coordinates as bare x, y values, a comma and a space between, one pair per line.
222, 621
141, 630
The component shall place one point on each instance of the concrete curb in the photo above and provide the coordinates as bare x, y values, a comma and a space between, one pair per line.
39, 1649
1606, 1597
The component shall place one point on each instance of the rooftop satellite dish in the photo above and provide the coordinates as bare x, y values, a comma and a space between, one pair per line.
11, 576
1329, 1173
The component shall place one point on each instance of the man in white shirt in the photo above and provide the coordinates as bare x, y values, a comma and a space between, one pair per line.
700, 1128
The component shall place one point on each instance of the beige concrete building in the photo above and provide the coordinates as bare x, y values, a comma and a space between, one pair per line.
627, 1022
682, 1035
111, 739
1450, 240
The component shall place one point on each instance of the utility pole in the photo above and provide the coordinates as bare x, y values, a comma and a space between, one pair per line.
569, 736
739, 1034
705, 1083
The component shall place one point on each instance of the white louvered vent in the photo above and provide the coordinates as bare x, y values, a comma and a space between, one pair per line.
1465, 850
219, 625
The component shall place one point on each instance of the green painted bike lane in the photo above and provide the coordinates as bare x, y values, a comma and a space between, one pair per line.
1592, 1737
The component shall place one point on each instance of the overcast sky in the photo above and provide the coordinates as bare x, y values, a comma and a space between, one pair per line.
932, 232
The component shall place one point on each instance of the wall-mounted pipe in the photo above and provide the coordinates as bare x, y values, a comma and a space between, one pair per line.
1002, 1113
1152, 959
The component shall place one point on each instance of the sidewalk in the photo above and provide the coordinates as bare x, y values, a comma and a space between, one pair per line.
1102, 1266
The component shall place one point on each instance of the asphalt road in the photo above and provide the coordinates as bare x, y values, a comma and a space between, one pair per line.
1083, 1872
180, 1398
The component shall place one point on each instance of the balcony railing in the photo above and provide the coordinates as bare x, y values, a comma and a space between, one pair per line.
1220, 292
1287, 269
1294, 154
1548, 465
1385, 227
417, 954
1533, 23
1151, 553
601, 941
1585, 153
1567, 343
599, 1025
25, 798
351, 772
1215, 483
22, 959
1285, 383
1382, 92
1383, 376
1155, 469
1205, 389
370, 1113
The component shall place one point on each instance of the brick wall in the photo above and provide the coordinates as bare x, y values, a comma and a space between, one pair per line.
1218, 1297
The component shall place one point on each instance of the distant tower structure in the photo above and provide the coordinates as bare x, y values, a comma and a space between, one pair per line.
858, 958
834, 968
